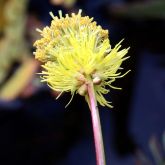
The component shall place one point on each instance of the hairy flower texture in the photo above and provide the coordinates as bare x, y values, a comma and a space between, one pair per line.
75, 51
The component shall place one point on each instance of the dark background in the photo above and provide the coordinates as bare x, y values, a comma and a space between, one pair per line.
38, 130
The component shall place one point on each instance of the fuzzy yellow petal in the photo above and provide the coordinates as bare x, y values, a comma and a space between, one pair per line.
75, 50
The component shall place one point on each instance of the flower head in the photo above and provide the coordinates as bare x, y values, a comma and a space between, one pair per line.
75, 50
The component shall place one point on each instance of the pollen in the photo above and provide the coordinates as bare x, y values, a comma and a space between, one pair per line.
63, 32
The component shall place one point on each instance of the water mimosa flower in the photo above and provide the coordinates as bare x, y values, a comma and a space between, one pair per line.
74, 51
77, 57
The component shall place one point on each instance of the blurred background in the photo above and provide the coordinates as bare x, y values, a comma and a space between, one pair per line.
35, 129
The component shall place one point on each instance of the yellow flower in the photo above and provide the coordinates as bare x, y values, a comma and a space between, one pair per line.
75, 50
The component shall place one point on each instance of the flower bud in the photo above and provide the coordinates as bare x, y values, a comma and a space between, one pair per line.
82, 90
97, 80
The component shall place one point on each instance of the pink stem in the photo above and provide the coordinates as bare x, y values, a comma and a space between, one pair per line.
99, 147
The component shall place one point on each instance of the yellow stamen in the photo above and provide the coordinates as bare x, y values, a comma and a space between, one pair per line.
75, 50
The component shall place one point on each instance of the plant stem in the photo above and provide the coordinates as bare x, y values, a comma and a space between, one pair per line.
99, 147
